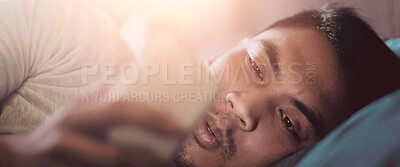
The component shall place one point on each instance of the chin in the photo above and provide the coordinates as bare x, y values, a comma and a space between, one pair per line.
183, 155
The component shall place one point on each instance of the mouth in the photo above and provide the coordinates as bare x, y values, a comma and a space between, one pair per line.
205, 137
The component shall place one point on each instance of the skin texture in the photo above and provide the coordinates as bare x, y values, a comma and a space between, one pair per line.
251, 122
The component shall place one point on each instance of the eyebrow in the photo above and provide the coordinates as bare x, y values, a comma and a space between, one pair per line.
270, 50
311, 116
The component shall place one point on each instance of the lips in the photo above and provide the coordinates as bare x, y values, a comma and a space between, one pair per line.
205, 137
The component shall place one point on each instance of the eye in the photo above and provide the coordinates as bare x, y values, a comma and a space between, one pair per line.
256, 69
286, 121
288, 124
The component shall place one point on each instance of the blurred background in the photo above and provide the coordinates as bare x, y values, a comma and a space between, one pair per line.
206, 28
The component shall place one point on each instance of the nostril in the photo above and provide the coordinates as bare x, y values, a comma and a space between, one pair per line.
230, 104
244, 123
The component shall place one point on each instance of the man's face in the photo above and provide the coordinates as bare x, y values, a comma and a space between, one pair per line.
281, 90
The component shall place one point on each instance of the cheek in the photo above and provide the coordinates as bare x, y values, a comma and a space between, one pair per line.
263, 146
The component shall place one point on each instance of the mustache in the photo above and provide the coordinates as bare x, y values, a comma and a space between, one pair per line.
223, 120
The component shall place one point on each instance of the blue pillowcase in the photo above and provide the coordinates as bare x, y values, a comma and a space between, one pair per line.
394, 44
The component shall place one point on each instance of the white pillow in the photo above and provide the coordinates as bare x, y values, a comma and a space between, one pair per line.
44, 47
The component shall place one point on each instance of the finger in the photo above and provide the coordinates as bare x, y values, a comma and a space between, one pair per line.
75, 149
118, 114
147, 116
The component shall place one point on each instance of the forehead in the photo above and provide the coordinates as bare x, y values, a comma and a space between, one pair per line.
309, 54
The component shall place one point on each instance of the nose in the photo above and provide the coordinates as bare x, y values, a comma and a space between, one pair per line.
241, 108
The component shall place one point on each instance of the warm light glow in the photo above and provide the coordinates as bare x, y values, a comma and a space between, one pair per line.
165, 9
199, 24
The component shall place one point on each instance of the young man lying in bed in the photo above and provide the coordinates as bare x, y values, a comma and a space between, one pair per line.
273, 109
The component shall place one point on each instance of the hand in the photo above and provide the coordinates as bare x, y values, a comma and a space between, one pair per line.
81, 137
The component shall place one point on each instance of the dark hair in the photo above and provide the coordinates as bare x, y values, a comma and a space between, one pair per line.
370, 68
